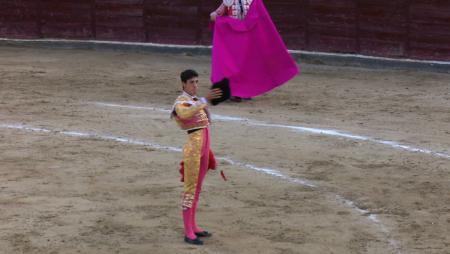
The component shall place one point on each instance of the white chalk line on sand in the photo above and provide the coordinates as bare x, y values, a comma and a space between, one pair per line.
269, 171
296, 128
209, 47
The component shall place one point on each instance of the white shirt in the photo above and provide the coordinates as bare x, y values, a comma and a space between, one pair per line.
239, 8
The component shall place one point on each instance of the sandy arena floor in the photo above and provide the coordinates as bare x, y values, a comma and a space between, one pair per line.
89, 159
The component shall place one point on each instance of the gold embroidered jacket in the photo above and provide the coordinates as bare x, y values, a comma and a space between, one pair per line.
190, 112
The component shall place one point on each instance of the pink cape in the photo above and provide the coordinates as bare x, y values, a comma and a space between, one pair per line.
250, 53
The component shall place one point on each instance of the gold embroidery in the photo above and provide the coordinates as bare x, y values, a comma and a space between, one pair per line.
189, 114
191, 157
185, 109
187, 201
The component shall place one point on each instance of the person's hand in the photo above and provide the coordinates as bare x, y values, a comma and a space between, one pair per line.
219, 12
214, 94
213, 16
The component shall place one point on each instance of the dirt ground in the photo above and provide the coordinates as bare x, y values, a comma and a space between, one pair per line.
69, 193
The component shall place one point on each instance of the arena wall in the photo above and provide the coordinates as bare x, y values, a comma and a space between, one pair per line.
418, 29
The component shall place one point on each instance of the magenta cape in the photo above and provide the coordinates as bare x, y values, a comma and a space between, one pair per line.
250, 53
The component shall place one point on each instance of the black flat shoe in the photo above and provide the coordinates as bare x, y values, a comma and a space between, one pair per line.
196, 241
235, 99
203, 234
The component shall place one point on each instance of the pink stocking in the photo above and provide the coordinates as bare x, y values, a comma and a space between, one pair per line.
195, 228
187, 218
195, 203
201, 176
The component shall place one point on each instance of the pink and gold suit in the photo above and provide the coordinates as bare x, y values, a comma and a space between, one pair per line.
191, 114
